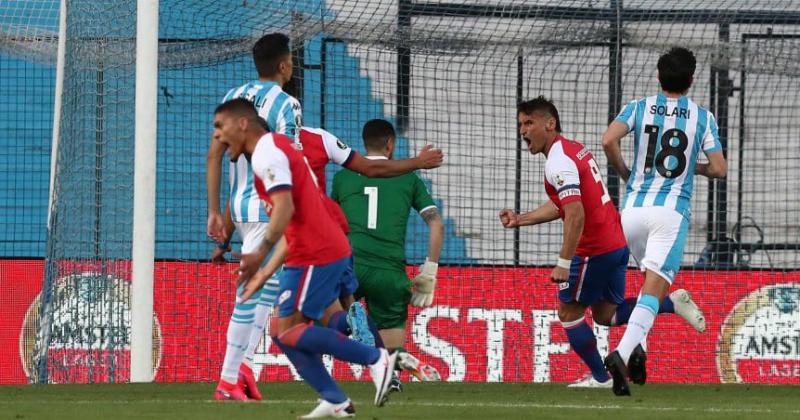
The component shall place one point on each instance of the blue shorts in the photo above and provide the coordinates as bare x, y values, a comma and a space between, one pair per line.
595, 279
310, 289
349, 280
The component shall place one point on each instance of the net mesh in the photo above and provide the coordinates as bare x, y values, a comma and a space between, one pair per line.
444, 73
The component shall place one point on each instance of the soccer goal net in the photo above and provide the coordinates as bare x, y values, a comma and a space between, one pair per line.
445, 73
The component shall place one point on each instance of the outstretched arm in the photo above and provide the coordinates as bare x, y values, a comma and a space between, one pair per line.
428, 158
611, 140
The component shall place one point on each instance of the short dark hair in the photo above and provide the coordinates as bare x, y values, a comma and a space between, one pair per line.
269, 51
376, 133
540, 105
241, 107
676, 70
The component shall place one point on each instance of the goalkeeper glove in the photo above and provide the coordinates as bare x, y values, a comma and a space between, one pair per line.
424, 284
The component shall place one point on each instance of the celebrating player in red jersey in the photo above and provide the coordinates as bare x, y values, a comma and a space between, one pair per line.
318, 252
591, 265
590, 269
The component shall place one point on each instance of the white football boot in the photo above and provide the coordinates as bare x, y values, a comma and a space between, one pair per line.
589, 381
329, 409
688, 310
381, 372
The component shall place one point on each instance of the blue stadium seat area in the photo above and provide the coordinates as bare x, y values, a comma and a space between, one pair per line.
187, 97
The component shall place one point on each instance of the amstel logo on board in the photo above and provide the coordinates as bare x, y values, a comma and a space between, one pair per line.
760, 339
88, 338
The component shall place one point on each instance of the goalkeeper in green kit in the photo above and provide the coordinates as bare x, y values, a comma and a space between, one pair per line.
377, 210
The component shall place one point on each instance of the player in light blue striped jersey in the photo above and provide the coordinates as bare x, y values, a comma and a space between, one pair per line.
670, 130
273, 61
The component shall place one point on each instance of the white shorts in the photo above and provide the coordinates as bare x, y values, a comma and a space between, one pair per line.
252, 234
656, 237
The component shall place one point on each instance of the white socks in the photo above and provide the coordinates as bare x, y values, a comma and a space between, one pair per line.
258, 331
640, 323
239, 330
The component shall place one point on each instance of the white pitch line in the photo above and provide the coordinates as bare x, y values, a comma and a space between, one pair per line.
440, 404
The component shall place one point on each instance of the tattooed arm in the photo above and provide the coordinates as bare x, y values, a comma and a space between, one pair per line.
436, 237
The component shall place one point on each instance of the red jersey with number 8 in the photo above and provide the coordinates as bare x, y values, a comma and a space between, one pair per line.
572, 174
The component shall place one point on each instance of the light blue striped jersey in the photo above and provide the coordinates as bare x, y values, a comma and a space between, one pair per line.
668, 134
282, 113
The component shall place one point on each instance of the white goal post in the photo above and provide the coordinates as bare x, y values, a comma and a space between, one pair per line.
144, 191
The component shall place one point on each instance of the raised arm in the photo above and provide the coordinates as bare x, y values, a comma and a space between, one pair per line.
611, 145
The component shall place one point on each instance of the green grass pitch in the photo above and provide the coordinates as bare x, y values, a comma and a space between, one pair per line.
419, 401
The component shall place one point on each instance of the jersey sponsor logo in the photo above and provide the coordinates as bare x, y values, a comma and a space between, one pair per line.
563, 285
582, 153
341, 144
667, 112
284, 296
760, 339
270, 175
559, 179
83, 336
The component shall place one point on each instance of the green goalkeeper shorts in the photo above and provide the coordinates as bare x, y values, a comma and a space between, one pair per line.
387, 293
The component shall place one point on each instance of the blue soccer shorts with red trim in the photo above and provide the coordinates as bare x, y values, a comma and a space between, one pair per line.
597, 278
311, 289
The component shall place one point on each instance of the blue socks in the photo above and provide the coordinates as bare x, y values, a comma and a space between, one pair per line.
667, 306
310, 367
328, 341
304, 345
625, 309
338, 322
581, 338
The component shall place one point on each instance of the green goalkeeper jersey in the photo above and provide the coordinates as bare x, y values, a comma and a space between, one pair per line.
377, 210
